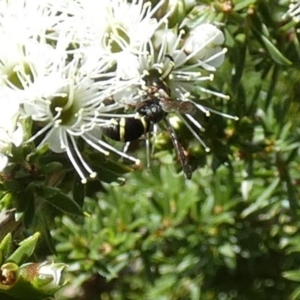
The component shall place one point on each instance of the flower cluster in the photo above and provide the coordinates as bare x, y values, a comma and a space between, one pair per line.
69, 65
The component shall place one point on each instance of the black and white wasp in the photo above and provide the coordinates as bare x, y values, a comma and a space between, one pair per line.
155, 107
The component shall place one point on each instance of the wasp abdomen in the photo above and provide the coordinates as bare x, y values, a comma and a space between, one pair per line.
127, 129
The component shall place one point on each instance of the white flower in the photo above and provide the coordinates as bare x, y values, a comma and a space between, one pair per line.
23, 19
72, 63
46, 278
11, 132
184, 74
181, 71
21, 63
204, 45
167, 61
117, 29
70, 105
54, 272
55, 88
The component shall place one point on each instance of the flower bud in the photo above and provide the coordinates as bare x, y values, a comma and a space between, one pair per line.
9, 274
45, 277
203, 43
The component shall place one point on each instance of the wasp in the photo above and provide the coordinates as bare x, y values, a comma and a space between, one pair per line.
155, 108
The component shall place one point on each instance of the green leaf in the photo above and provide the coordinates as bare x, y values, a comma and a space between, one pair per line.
26, 204
59, 200
29, 214
108, 170
296, 294
25, 250
44, 228
51, 167
238, 4
78, 191
275, 53
6, 297
292, 275
262, 200
227, 250
5, 247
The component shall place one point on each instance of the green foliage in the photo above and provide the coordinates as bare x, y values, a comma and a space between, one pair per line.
166, 238
230, 233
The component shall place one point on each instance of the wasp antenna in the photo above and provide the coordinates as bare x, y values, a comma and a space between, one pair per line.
169, 57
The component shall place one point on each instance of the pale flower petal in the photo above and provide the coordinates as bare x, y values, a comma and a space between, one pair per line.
10, 131
204, 43
17, 136
3, 161
127, 66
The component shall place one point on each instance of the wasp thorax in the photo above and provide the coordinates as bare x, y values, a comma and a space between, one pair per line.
154, 83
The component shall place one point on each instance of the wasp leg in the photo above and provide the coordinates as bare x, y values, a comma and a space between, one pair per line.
179, 150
